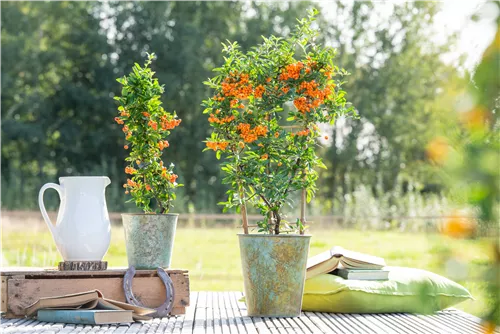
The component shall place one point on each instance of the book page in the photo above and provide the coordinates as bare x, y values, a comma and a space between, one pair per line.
74, 300
116, 305
359, 260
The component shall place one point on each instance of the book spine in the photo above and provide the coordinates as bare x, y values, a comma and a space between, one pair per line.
66, 316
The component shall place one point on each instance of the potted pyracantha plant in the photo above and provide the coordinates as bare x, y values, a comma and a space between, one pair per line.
264, 118
149, 236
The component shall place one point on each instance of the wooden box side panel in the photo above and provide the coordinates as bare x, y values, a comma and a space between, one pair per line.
149, 290
4, 295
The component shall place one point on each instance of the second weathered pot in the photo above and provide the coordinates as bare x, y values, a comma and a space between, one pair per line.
149, 239
274, 271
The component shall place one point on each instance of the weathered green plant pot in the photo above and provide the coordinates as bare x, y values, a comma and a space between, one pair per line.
149, 239
274, 271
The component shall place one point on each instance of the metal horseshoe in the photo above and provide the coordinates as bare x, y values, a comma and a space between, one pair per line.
164, 309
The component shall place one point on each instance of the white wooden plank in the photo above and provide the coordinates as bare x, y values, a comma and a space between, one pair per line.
402, 325
418, 323
325, 328
338, 322
373, 318
187, 326
200, 314
290, 325
466, 319
271, 325
209, 313
434, 323
358, 321
444, 320
217, 322
179, 322
298, 325
309, 324
259, 323
227, 327
162, 325
393, 324
232, 314
247, 321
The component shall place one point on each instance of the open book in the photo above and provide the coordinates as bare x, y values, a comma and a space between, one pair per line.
88, 300
339, 257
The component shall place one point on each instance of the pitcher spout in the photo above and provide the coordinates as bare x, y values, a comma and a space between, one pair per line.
107, 181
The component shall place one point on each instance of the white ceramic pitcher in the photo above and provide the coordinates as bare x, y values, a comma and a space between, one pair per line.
83, 230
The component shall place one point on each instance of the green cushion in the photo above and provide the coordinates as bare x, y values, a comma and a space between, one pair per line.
407, 290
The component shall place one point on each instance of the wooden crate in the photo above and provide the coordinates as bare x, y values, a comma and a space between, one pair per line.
24, 286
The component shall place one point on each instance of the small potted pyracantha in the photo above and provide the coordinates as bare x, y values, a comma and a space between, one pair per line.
264, 117
149, 236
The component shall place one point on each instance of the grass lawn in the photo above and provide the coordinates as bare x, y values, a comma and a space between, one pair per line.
212, 255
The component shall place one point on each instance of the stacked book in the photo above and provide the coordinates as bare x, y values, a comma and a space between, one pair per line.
347, 264
89, 308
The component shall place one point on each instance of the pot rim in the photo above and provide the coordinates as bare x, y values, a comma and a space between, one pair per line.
274, 235
150, 214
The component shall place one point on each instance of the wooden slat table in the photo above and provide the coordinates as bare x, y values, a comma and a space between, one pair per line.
221, 312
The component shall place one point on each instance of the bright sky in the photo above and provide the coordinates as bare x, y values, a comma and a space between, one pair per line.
455, 16
474, 36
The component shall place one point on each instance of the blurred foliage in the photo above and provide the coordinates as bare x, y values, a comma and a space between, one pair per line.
59, 61
471, 161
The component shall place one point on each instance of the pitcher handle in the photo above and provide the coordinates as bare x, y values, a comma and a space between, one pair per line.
42, 205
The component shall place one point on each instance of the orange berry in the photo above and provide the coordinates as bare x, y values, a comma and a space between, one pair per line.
326, 137
125, 147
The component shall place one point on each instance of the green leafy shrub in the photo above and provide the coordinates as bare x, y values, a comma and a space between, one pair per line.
264, 117
146, 126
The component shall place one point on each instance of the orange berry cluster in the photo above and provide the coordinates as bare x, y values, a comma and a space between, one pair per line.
259, 91
314, 98
169, 124
118, 120
217, 145
303, 132
130, 183
250, 135
173, 178
227, 119
124, 113
148, 187
291, 71
163, 144
153, 124
240, 89
130, 170
145, 114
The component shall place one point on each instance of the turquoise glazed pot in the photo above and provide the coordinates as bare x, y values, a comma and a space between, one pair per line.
274, 272
149, 239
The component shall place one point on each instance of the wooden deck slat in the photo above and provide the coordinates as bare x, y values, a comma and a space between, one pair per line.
233, 314
416, 321
325, 327
360, 321
222, 312
446, 320
441, 324
187, 325
309, 324
247, 321
389, 327
401, 324
467, 319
